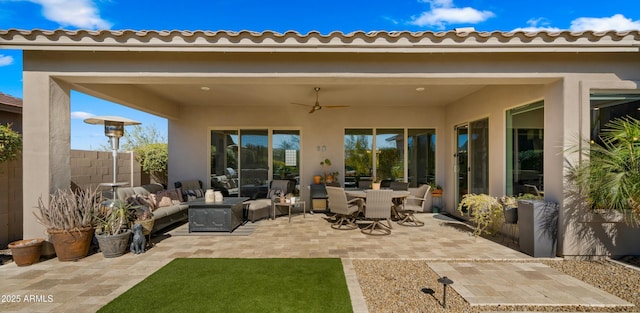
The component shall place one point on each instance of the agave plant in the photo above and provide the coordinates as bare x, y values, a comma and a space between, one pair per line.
609, 177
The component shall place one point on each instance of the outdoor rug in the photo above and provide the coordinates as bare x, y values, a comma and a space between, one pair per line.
245, 229
240, 285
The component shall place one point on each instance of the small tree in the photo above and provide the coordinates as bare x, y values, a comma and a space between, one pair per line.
10, 143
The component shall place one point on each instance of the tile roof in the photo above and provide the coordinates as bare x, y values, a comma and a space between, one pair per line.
379, 41
10, 101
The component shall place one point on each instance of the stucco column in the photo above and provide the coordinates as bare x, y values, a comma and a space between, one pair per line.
46, 148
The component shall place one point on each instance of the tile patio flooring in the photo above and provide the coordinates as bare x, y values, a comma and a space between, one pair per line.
88, 284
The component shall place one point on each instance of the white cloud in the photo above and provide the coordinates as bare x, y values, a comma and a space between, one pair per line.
536, 25
81, 115
444, 12
617, 22
5, 60
76, 13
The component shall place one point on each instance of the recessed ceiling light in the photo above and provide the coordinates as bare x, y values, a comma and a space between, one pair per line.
420, 89
205, 88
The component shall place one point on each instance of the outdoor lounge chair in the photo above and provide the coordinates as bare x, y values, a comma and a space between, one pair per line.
377, 208
414, 203
344, 209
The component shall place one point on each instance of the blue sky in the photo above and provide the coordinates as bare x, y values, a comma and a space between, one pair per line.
281, 16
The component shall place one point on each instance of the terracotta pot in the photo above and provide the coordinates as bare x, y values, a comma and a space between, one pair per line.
375, 186
317, 179
71, 245
26, 252
328, 179
437, 192
114, 245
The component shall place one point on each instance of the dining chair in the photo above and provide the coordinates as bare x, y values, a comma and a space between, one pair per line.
378, 205
412, 204
344, 209
364, 184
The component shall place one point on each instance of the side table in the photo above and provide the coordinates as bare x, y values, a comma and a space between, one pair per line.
290, 205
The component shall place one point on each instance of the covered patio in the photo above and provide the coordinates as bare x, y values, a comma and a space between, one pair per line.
245, 81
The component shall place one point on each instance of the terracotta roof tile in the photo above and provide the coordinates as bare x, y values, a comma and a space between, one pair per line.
200, 40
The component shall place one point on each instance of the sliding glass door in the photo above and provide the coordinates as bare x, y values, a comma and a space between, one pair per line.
472, 158
243, 161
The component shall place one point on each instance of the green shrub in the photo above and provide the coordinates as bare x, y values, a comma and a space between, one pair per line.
485, 212
153, 159
10, 143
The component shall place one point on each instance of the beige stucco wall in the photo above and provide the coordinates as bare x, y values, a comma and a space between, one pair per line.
189, 136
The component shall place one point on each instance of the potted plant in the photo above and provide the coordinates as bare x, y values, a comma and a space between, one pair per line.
484, 211
328, 178
114, 228
26, 252
436, 189
607, 178
375, 183
70, 218
509, 209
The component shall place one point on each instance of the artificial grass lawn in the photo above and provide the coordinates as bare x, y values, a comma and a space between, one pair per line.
239, 285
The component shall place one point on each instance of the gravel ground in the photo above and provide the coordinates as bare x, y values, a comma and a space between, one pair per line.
412, 287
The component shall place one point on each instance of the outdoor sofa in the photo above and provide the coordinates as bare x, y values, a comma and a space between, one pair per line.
166, 205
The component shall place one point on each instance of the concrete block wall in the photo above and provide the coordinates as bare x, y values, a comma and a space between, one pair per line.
91, 168
88, 168
10, 202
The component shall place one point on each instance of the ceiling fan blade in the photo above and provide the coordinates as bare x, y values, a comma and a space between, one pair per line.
335, 106
307, 105
313, 109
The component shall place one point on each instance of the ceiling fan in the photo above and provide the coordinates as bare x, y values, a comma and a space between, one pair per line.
317, 105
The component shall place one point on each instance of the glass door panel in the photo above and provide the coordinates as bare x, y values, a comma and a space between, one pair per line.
462, 162
224, 161
254, 162
479, 156
389, 155
285, 147
358, 161
421, 147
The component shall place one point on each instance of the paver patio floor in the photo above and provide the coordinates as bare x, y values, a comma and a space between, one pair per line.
88, 284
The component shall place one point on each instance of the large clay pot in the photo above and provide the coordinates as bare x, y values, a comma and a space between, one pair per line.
26, 252
114, 245
71, 245
317, 179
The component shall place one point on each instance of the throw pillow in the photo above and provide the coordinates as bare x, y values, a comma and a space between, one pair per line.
167, 198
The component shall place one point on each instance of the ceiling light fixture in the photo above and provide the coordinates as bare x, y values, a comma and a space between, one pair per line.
205, 88
420, 89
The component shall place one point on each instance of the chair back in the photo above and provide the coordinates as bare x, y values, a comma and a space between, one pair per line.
282, 185
337, 200
418, 197
398, 185
532, 189
378, 204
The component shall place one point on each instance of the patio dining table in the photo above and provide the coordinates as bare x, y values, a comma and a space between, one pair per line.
398, 197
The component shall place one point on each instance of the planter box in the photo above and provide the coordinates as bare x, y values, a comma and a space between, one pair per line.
538, 223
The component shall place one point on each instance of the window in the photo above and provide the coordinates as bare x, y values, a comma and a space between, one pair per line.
400, 155
606, 107
525, 149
